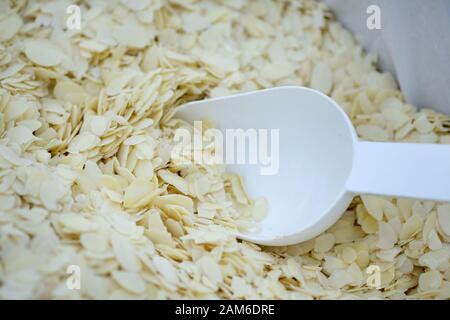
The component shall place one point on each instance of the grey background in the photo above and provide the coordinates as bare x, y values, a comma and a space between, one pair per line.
413, 44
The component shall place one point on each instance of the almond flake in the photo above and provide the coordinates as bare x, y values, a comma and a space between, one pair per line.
139, 193
9, 26
20, 135
210, 269
43, 52
166, 269
321, 78
94, 241
125, 253
75, 222
130, 281
372, 132
99, 125
411, 227
430, 280
324, 242
443, 216
374, 206
387, 237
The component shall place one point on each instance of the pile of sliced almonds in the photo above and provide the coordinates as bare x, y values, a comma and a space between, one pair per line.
87, 180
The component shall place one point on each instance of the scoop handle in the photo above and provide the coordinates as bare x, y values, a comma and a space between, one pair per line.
411, 170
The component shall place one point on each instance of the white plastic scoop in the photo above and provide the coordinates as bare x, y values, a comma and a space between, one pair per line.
322, 165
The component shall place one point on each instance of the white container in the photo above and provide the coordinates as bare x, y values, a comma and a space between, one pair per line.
413, 43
